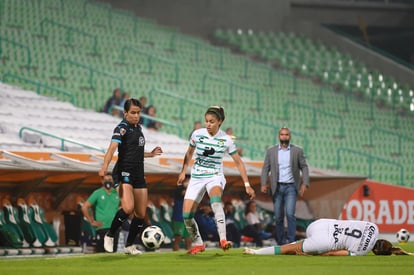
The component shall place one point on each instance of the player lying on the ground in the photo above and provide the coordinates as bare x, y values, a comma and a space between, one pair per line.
328, 237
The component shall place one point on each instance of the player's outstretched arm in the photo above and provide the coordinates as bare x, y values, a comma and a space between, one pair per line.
336, 253
155, 152
186, 162
242, 169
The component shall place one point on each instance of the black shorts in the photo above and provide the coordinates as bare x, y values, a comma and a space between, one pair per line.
133, 176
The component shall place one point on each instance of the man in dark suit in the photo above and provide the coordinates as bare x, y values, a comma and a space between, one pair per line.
284, 162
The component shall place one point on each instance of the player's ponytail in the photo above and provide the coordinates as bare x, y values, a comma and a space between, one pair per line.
218, 111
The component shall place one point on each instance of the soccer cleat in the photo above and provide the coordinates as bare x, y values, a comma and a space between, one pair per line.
248, 251
196, 249
108, 244
132, 250
225, 245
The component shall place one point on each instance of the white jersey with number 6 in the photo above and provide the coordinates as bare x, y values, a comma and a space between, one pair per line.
323, 235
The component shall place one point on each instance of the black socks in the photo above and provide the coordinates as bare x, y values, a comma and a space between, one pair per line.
136, 227
119, 218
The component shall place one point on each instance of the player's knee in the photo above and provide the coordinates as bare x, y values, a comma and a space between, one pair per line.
128, 209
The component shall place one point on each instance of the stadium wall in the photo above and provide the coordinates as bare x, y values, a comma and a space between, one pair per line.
373, 13
308, 19
202, 17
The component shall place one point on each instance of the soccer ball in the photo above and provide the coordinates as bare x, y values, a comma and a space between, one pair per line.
152, 237
403, 235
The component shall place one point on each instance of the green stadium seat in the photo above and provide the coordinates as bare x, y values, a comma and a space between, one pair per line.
155, 216
10, 235
301, 62
11, 225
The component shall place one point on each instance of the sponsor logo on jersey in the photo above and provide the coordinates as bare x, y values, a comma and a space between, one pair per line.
371, 232
221, 142
141, 141
338, 231
204, 163
208, 151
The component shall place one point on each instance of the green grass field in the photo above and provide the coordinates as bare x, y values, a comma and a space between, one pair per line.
212, 261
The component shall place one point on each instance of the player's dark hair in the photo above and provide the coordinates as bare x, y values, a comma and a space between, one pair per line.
131, 102
382, 247
218, 111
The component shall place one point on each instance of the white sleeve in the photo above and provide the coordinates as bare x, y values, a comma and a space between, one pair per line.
231, 146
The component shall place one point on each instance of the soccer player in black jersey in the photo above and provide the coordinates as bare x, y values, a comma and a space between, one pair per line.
128, 175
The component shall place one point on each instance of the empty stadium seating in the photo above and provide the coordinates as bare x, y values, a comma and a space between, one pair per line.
53, 122
326, 97
355, 102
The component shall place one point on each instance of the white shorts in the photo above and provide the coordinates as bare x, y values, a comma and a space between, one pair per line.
317, 240
197, 187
